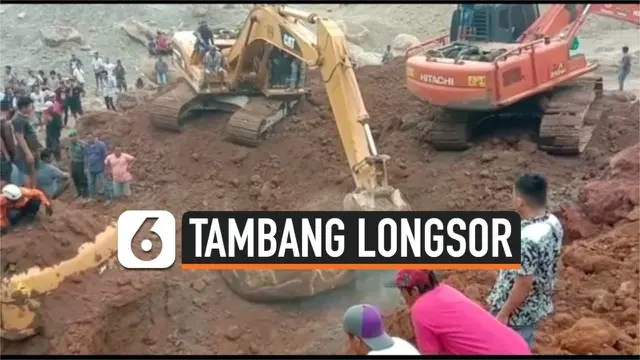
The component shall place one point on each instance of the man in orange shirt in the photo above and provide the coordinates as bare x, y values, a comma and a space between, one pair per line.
118, 168
17, 203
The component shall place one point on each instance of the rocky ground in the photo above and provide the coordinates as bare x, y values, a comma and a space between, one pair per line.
112, 310
25, 29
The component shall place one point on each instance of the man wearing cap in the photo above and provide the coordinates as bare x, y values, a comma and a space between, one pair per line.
446, 322
365, 328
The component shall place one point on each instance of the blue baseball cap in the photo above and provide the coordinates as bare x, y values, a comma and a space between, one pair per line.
365, 322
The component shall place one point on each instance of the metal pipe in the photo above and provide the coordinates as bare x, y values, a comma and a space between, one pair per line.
298, 14
369, 135
578, 23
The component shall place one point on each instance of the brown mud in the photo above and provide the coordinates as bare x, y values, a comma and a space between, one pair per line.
302, 166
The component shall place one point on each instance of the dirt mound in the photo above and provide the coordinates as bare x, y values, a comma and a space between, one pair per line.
302, 166
49, 240
597, 290
617, 194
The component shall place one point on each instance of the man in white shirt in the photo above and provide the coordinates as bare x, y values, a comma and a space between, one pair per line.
32, 79
98, 69
110, 91
38, 97
109, 66
78, 74
365, 328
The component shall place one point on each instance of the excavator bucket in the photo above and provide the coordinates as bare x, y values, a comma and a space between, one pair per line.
19, 317
381, 199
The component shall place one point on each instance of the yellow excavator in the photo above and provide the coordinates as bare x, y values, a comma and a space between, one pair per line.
268, 26
254, 91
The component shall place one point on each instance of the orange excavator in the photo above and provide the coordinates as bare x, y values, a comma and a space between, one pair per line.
505, 59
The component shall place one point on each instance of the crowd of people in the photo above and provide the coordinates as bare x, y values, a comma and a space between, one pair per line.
32, 175
31, 181
446, 322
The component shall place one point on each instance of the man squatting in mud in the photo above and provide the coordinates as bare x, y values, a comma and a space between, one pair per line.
18, 204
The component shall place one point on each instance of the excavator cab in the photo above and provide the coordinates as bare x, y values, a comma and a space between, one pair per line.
498, 23
277, 74
287, 76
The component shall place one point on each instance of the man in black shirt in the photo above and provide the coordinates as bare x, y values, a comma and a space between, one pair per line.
120, 73
205, 33
76, 92
53, 122
74, 61
28, 145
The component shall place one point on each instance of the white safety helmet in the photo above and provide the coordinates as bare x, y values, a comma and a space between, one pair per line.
11, 192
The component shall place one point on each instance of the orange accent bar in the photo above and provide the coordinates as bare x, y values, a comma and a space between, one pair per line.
280, 266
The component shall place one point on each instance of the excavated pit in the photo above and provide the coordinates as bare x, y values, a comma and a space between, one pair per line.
111, 310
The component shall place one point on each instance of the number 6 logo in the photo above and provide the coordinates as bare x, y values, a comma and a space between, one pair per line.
164, 227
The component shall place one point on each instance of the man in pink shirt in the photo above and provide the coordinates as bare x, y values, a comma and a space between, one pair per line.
118, 167
446, 322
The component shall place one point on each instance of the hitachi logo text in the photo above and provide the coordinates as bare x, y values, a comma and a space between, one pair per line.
438, 80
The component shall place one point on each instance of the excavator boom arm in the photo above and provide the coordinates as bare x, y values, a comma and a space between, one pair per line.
327, 49
625, 12
558, 16
367, 166
284, 28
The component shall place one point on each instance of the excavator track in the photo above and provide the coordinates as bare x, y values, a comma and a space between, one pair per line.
251, 124
166, 109
171, 109
451, 131
570, 116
